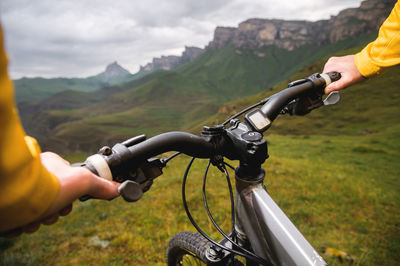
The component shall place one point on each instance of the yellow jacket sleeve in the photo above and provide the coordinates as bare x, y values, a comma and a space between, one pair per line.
26, 188
384, 52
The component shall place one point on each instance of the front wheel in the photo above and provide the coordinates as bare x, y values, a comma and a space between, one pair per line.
189, 248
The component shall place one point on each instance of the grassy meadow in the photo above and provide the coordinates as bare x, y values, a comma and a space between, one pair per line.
341, 192
335, 173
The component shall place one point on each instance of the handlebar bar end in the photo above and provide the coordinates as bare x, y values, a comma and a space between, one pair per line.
334, 76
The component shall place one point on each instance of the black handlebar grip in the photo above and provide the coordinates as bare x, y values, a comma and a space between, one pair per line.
85, 198
334, 76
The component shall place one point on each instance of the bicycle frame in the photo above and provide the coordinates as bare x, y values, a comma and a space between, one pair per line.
261, 223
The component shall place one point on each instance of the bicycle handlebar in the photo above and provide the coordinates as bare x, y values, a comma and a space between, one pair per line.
131, 161
187, 143
312, 86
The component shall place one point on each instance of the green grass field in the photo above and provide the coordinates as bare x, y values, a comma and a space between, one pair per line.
341, 192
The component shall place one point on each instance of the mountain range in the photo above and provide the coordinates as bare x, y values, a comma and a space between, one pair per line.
175, 93
172, 61
253, 34
31, 89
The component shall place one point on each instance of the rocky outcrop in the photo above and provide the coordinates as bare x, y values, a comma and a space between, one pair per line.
355, 21
164, 62
113, 71
190, 53
256, 33
289, 35
223, 36
172, 61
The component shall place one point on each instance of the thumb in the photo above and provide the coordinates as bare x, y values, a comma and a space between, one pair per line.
103, 189
335, 86
342, 83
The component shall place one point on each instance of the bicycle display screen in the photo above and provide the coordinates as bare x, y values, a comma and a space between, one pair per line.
257, 120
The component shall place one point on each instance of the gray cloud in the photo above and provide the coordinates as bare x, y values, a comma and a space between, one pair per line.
78, 38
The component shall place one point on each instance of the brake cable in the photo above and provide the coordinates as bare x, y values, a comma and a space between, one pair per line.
232, 210
166, 160
245, 110
185, 205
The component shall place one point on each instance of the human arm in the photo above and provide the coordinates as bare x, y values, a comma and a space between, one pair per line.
35, 188
74, 182
377, 56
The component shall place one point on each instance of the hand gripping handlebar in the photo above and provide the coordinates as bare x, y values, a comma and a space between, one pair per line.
132, 160
311, 88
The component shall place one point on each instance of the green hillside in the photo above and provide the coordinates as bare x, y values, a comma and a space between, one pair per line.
41, 116
232, 73
170, 100
334, 172
31, 89
365, 108
38, 88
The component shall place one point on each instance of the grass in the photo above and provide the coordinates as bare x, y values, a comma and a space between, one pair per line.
340, 196
341, 192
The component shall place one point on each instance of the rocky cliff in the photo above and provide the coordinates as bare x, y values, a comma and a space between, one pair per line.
257, 33
171, 61
113, 71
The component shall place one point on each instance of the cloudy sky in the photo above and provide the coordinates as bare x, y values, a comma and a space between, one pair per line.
78, 38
